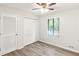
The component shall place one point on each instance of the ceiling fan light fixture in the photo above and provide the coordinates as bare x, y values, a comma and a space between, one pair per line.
43, 10
43, 7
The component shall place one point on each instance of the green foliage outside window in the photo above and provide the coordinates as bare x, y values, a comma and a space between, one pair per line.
53, 26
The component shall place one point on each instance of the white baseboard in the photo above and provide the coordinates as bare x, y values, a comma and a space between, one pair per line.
7, 51
65, 48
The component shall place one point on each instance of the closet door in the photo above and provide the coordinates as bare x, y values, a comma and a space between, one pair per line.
29, 31
8, 35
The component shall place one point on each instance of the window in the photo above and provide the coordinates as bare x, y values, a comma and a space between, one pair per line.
53, 27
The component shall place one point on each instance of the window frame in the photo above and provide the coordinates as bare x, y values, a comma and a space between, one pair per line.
54, 25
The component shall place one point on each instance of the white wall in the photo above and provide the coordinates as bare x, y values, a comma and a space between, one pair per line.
37, 30
69, 28
16, 12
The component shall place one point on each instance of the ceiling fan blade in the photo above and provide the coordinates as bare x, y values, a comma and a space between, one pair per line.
35, 8
50, 8
38, 3
52, 4
43, 3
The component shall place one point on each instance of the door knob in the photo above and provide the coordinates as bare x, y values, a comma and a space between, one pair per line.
16, 34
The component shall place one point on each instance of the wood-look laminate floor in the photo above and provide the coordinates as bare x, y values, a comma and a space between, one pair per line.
41, 49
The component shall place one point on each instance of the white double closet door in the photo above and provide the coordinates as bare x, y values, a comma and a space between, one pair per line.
29, 31
15, 33
8, 40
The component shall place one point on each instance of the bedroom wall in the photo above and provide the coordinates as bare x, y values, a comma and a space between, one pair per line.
16, 12
69, 29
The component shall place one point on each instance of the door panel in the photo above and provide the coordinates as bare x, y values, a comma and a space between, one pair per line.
9, 44
9, 25
29, 31
8, 37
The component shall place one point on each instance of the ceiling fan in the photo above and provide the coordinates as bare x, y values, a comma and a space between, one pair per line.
44, 6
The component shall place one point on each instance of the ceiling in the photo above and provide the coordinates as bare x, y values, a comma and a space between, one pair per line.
29, 6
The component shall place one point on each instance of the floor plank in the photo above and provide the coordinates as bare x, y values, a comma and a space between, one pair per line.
41, 49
